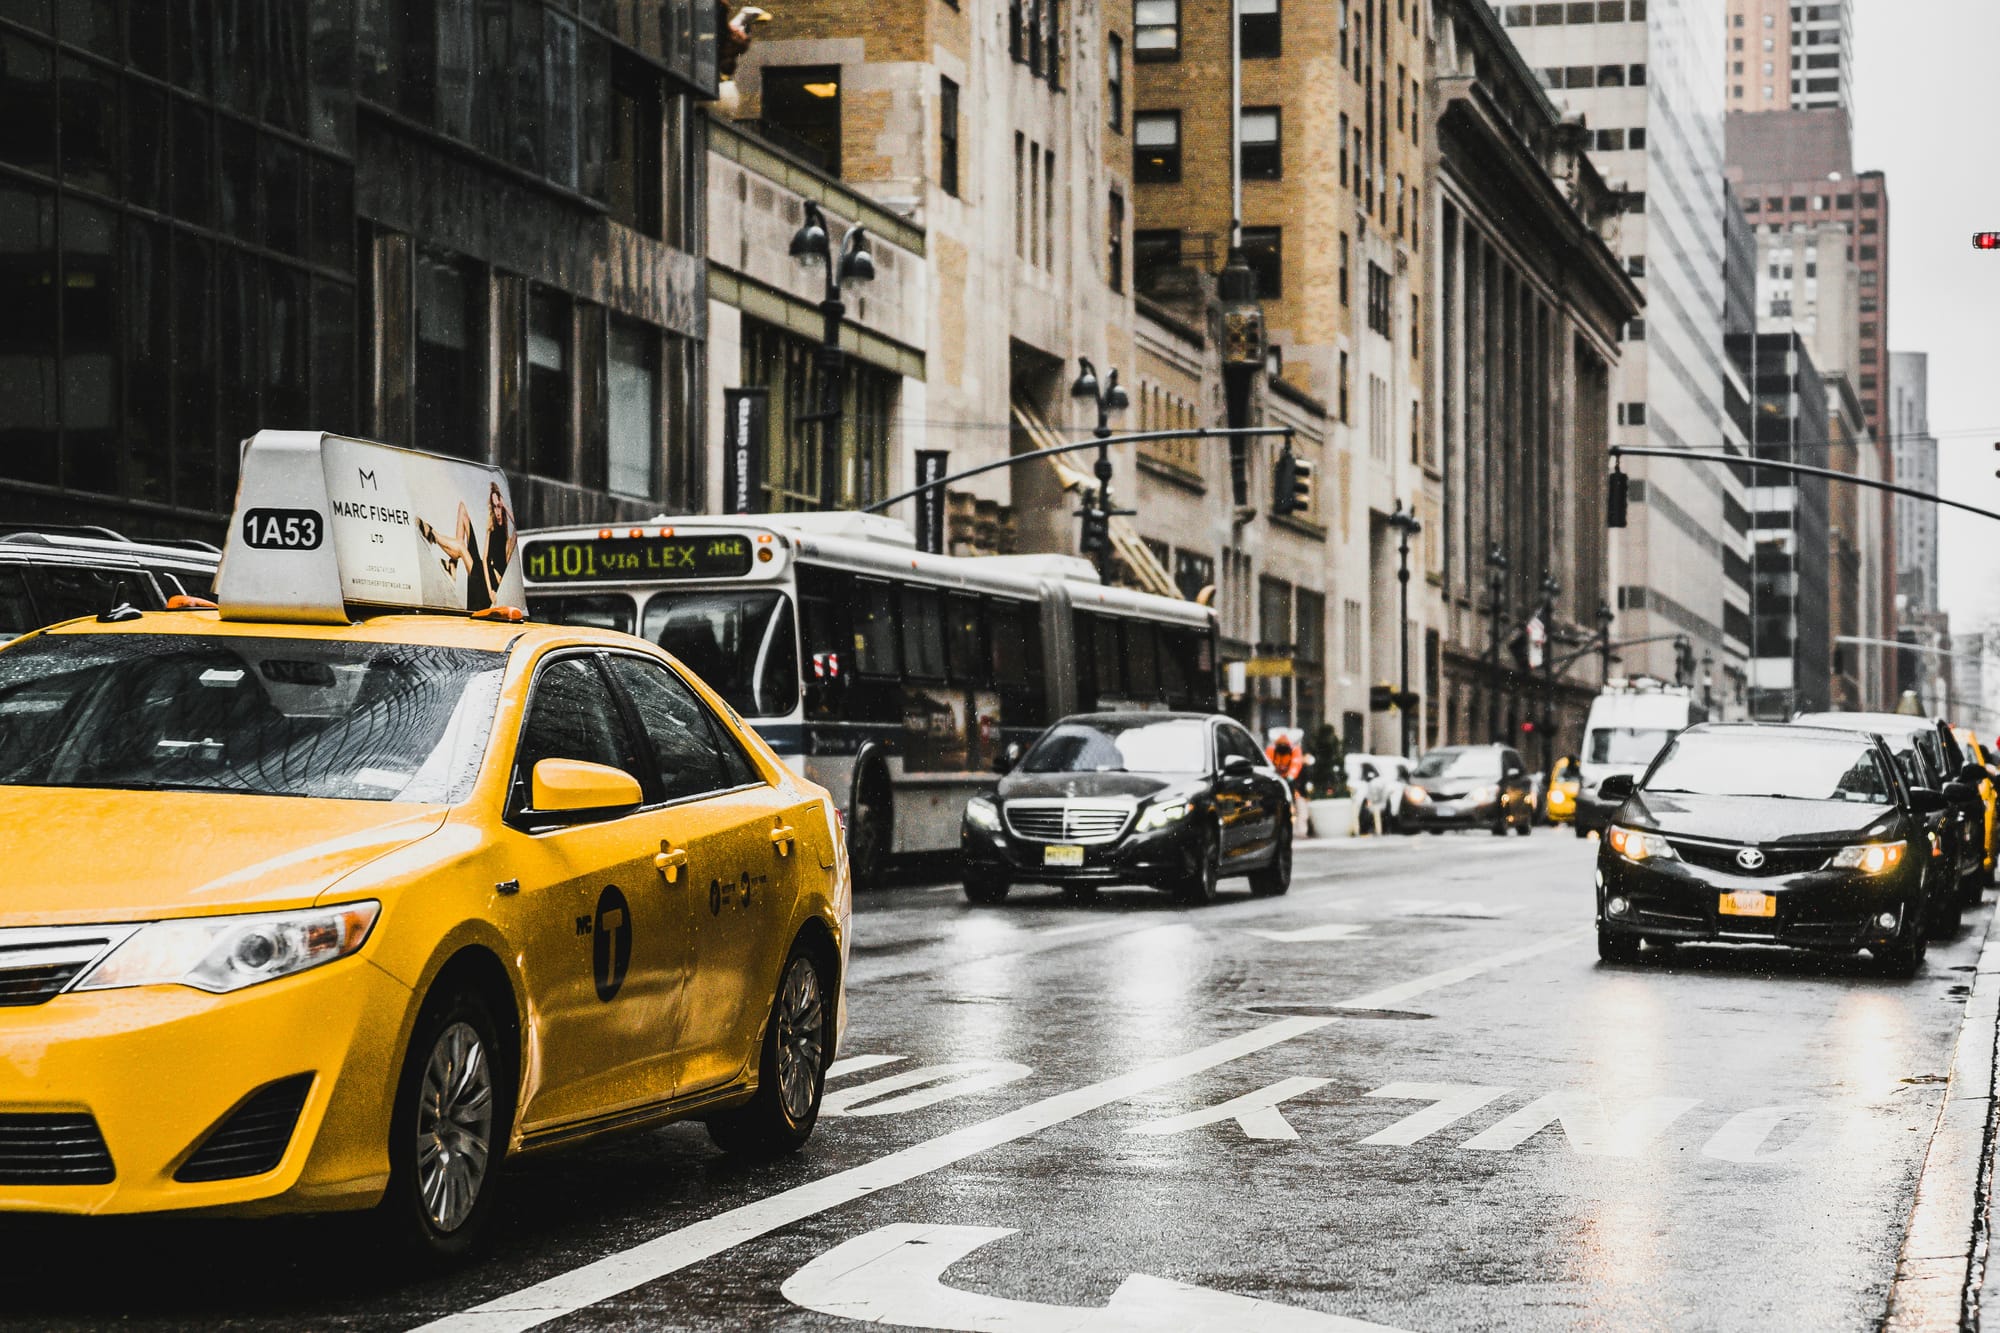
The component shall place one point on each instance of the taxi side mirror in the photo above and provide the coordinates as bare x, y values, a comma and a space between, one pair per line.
574, 787
1972, 775
1926, 800
1618, 787
1958, 793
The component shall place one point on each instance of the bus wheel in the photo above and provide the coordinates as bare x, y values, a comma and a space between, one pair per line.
868, 834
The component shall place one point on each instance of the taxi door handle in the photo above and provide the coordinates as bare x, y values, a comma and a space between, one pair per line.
670, 860
783, 837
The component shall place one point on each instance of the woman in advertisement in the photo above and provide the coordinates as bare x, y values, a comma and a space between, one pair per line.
483, 575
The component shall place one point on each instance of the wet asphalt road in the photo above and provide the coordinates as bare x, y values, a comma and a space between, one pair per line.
1451, 1117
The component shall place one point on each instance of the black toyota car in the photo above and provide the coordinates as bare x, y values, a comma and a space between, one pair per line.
1177, 801
1767, 834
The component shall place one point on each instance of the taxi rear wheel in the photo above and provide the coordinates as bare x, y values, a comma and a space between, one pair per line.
792, 1071
449, 1129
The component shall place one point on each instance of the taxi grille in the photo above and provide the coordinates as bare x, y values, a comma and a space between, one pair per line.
38, 963
53, 1150
1777, 860
252, 1139
1068, 821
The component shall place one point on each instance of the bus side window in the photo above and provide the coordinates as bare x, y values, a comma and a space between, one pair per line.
1016, 643
600, 611
1082, 633
1104, 643
923, 633
1009, 641
1142, 676
965, 642
875, 647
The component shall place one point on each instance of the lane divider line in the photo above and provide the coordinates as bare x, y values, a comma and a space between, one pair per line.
1389, 997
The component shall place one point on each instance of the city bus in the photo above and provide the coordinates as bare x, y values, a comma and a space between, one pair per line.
897, 679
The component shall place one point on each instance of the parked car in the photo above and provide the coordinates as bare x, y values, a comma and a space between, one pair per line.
50, 575
1978, 754
1471, 786
1176, 801
1799, 835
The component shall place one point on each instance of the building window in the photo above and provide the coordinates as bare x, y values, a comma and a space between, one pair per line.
1378, 299
632, 173
802, 112
1117, 224
1344, 256
448, 361
947, 136
1631, 414
1156, 30
1263, 149
1342, 388
1264, 252
1114, 82
550, 428
632, 408
1156, 143
1263, 34
1343, 150
1350, 636
1152, 252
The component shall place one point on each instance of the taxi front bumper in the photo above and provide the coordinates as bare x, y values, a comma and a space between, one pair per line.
1819, 909
157, 1069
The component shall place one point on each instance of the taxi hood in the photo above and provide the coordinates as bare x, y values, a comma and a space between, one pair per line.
1765, 819
91, 855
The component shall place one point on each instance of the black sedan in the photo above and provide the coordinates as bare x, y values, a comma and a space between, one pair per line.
1177, 801
1791, 835
1470, 786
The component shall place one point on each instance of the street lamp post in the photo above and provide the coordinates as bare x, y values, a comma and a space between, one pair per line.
1109, 398
1405, 522
813, 244
1707, 680
1496, 586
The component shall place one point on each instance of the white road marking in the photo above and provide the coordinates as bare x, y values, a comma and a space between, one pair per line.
923, 1087
894, 1275
1586, 1124
855, 1064
1256, 1113
1452, 1102
1391, 996
1471, 909
1339, 930
650, 1260
1078, 929
1742, 1136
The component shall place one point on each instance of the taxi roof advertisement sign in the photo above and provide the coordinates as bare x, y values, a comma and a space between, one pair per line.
323, 522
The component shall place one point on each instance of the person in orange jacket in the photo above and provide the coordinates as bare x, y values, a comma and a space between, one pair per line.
1290, 763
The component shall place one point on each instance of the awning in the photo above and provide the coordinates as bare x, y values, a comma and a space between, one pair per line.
1125, 540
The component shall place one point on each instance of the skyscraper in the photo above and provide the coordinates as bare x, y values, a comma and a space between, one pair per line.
1643, 76
1915, 452
1784, 55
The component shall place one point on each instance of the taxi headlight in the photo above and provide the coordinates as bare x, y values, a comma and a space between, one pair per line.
1159, 816
1871, 858
981, 813
1638, 845
226, 953
1416, 795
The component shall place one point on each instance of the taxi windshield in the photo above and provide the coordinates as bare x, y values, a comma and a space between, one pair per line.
260, 716
1180, 746
1758, 763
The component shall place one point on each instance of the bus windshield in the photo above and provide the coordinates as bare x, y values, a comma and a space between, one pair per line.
741, 644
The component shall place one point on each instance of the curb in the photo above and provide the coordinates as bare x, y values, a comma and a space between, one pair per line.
1942, 1265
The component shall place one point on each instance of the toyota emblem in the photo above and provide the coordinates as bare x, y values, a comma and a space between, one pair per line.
1750, 858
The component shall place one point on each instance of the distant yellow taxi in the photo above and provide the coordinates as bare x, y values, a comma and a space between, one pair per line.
320, 916
1989, 794
1563, 784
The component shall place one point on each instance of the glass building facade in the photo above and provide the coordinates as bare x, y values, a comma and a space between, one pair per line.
462, 225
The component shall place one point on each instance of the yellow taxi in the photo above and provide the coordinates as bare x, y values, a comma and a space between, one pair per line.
1989, 792
1563, 784
322, 907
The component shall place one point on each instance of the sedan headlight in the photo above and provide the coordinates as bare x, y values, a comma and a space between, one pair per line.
1159, 816
1638, 845
226, 953
1484, 795
1416, 795
1872, 858
980, 812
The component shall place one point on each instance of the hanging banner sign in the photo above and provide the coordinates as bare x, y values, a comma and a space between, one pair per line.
324, 522
1538, 642
930, 503
746, 415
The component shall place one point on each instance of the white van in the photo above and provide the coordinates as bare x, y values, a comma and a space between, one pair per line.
1630, 723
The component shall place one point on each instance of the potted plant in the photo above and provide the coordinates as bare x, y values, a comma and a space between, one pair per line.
1330, 803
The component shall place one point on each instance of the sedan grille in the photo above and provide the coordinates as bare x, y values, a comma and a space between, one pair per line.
53, 1150
38, 963
1777, 860
251, 1139
1068, 821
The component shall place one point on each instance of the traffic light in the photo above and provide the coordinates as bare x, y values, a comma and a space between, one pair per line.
1381, 697
1986, 240
1683, 660
1291, 484
1614, 500
1096, 529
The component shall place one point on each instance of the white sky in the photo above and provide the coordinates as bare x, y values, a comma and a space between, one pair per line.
1928, 114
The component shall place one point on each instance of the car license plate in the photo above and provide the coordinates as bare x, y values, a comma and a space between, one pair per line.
1749, 902
1062, 856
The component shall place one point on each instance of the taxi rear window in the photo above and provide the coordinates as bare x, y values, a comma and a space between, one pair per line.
260, 716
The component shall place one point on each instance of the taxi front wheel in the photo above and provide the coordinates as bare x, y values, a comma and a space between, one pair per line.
792, 1071
449, 1129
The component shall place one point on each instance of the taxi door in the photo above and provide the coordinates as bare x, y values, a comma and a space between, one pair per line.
741, 839
603, 941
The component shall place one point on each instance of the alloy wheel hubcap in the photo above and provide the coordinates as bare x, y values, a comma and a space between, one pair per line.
801, 1040
454, 1126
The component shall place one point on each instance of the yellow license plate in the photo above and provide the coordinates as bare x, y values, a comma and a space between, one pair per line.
1062, 856
1749, 902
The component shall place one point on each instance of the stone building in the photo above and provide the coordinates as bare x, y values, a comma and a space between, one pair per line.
1529, 298
1786, 55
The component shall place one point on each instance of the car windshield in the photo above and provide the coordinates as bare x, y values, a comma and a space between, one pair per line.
1764, 763
1631, 746
740, 643
261, 716
1178, 746
1459, 764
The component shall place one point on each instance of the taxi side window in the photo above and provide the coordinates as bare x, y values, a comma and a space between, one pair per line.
572, 715
692, 750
